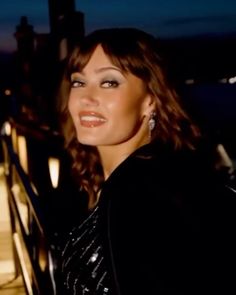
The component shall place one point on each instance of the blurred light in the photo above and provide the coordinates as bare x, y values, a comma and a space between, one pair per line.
6, 129
22, 152
14, 139
23, 262
34, 188
224, 80
232, 80
224, 159
42, 255
7, 92
54, 165
189, 81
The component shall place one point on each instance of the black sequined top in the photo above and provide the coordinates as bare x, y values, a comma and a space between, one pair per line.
84, 269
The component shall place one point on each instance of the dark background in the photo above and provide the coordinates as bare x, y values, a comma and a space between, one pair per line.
197, 40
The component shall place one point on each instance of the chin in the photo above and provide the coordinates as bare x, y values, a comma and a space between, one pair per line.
88, 141
93, 138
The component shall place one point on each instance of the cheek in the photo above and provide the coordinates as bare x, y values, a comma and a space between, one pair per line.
131, 108
126, 117
121, 104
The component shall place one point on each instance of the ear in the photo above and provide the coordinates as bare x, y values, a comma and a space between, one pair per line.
149, 105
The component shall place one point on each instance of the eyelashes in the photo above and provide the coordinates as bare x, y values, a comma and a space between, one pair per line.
75, 83
110, 84
107, 83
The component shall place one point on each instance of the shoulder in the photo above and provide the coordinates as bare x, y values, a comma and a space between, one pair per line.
159, 162
160, 176
153, 174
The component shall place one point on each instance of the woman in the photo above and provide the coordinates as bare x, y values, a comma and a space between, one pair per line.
138, 159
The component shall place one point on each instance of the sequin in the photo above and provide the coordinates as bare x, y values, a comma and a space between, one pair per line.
94, 257
83, 263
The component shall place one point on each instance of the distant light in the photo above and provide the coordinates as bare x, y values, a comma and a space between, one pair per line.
22, 152
7, 92
232, 80
6, 129
61, 17
54, 167
189, 81
224, 159
223, 81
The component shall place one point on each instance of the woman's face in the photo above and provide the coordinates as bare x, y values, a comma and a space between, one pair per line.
107, 106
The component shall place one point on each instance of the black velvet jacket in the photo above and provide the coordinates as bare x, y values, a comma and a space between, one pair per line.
168, 225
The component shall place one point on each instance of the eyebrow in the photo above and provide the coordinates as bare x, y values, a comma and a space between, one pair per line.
103, 69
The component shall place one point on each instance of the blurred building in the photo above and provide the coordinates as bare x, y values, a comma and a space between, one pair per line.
40, 59
66, 24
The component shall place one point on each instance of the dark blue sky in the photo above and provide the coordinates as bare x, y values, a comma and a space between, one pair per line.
164, 18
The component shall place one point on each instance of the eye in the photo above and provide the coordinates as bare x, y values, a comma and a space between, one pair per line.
77, 83
110, 84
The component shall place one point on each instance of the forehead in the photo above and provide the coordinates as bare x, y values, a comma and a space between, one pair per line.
99, 57
100, 62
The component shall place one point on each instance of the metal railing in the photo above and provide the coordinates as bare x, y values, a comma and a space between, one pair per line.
32, 241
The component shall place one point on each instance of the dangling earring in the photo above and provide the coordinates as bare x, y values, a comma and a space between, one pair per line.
151, 123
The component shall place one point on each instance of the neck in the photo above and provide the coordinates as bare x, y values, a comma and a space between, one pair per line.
113, 155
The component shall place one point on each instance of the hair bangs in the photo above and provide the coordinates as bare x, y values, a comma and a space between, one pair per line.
128, 59
79, 60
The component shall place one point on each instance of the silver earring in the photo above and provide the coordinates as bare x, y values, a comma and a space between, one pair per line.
151, 123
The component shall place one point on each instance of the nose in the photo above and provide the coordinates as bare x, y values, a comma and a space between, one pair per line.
89, 100
89, 96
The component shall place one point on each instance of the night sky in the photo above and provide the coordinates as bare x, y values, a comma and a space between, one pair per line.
163, 18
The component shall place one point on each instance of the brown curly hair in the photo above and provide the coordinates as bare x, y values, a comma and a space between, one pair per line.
133, 51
